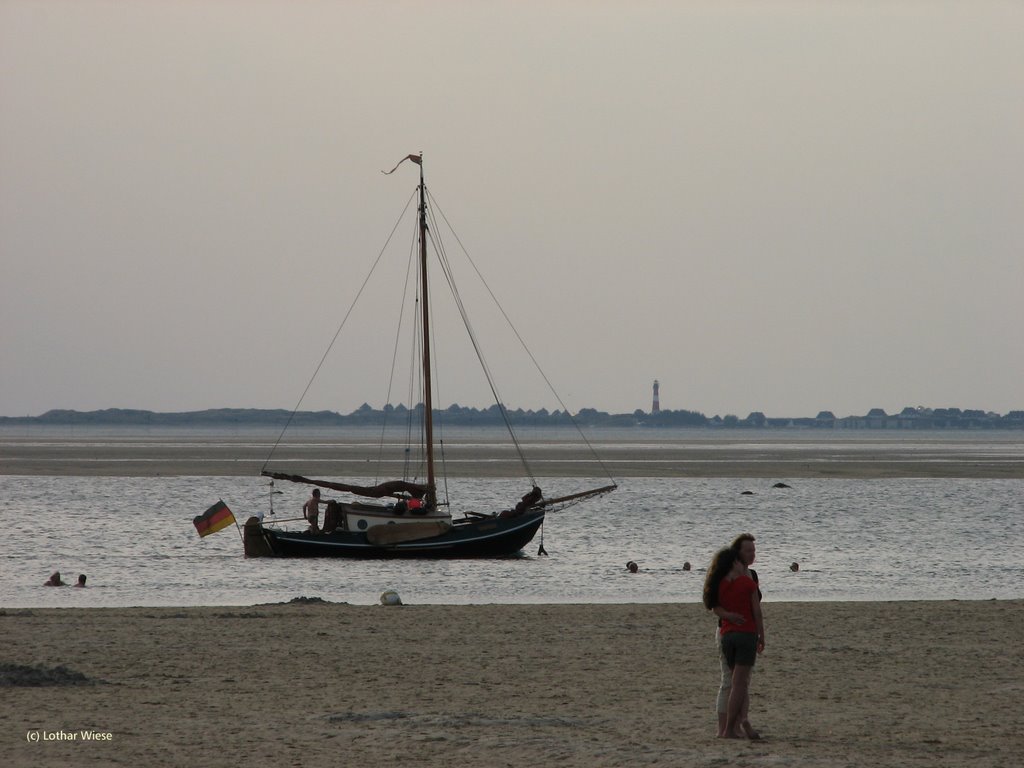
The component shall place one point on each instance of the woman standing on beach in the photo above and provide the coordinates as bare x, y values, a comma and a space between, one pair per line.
732, 594
745, 548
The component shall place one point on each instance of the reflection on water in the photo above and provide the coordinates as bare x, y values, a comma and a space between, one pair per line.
854, 539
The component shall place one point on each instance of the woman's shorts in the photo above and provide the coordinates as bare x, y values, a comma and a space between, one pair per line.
739, 648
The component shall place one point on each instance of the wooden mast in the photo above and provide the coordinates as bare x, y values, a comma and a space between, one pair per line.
428, 408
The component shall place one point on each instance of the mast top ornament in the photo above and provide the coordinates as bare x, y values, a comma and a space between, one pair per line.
418, 159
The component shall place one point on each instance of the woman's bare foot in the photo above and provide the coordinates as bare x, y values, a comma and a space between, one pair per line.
748, 729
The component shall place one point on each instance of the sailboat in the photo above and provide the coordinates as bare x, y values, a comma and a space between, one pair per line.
408, 517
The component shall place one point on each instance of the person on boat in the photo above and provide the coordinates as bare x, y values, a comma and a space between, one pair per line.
733, 595
81, 580
333, 516
55, 581
687, 566
528, 501
311, 511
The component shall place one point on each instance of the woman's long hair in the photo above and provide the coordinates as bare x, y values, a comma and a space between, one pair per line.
720, 566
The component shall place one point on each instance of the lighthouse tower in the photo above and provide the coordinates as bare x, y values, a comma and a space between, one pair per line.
655, 405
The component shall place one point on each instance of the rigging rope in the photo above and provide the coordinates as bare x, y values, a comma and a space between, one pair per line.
394, 363
435, 378
522, 343
344, 320
433, 232
446, 268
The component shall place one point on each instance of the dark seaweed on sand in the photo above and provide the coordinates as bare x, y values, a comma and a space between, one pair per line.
39, 675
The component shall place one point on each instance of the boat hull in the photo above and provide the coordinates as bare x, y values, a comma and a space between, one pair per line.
484, 537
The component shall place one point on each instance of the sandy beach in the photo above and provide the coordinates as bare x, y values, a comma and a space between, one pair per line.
840, 684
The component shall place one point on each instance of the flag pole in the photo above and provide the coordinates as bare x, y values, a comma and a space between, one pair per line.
238, 527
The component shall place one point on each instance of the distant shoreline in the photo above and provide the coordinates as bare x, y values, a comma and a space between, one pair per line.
925, 419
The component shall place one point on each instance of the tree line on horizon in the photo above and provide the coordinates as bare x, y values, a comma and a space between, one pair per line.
456, 415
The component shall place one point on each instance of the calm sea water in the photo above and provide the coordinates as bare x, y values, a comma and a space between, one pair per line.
854, 540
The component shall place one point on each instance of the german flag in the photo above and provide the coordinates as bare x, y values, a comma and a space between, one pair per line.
214, 519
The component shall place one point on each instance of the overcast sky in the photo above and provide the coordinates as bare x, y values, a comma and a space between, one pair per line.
773, 206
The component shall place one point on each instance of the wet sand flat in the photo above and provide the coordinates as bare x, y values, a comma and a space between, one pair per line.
628, 455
